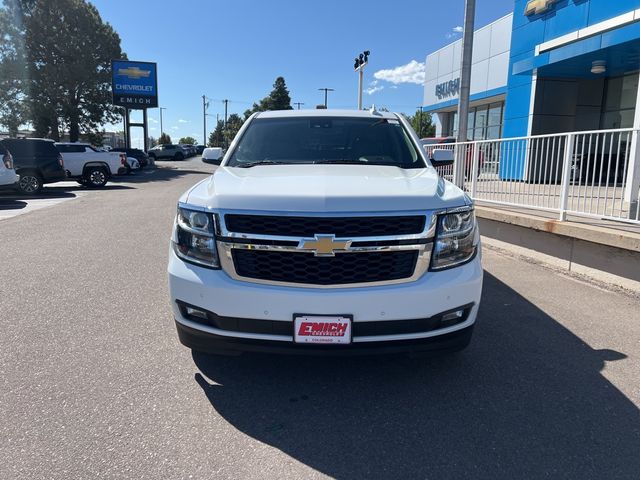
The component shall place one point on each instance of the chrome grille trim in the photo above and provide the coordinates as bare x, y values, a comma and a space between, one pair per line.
424, 245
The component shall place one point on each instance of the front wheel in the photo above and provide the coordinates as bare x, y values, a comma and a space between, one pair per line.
30, 183
96, 177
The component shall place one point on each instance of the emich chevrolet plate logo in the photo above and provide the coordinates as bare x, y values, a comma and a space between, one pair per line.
324, 245
536, 7
134, 73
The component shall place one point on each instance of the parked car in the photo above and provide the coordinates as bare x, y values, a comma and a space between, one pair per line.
346, 241
8, 176
167, 152
189, 150
200, 149
37, 161
212, 155
89, 166
139, 155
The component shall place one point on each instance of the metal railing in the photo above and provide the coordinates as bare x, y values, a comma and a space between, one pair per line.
594, 174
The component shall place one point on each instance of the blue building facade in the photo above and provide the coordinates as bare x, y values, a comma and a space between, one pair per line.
573, 66
569, 66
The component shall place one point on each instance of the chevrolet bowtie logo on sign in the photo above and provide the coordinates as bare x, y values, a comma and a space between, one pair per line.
134, 73
324, 245
134, 84
536, 7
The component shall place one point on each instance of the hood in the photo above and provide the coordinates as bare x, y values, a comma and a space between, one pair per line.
325, 188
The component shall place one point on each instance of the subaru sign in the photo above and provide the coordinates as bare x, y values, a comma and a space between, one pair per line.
134, 84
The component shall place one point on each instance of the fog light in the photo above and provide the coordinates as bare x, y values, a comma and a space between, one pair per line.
453, 317
194, 312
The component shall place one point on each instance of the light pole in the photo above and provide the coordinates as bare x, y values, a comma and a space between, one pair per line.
360, 63
325, 90
465, 87
205, 105
161, 130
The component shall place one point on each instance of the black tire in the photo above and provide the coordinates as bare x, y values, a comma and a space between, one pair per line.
178, 157
96, 177
30, 183
81, 181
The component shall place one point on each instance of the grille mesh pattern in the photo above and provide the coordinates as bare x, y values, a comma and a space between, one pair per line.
338, 226
346, 268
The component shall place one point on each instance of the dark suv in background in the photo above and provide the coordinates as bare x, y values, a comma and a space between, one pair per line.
141, 156
36, 161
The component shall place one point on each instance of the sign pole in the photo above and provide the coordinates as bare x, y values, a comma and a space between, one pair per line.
127, 122
145, 129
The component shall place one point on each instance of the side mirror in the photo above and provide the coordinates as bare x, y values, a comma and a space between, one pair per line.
441, 157
212, 155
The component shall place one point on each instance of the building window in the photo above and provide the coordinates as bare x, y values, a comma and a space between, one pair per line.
485, 122
620, 102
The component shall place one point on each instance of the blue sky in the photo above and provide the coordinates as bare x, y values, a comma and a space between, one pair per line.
235, 50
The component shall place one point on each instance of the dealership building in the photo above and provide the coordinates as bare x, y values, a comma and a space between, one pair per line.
552, 66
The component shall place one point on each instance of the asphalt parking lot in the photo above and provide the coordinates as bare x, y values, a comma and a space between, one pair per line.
96, 385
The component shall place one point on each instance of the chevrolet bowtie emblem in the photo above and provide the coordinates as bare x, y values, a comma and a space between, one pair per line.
134, 72
538, 6
324, 245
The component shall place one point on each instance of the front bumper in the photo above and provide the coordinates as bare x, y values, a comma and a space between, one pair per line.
215, 291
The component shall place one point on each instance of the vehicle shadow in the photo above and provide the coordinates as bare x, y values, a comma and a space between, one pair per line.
48, 192
526, 400
10, 204
159, 174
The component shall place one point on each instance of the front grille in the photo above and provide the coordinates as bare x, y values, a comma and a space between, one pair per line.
338, 226
344, 268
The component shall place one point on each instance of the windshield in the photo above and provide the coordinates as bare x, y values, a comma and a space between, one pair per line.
316, 140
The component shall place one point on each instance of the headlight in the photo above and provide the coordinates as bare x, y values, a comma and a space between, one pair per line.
194, 237
456, 240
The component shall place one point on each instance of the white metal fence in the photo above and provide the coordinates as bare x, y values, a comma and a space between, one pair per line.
592, 174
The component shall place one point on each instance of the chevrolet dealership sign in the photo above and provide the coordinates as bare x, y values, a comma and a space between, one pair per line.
134, 84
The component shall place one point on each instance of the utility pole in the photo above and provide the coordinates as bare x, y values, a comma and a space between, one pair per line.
205, 105
361, 61
161, 130
419, 109
325, 90
298, 104
465, 87
226, 102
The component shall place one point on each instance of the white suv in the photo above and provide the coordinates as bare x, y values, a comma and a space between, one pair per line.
8, 176
325, 232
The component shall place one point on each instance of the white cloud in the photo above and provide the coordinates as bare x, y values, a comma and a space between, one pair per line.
455, 31
152, 129
175, 128
372, 90
153, 120
182, 120
412, 72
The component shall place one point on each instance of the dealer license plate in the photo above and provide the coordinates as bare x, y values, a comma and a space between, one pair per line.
322, 330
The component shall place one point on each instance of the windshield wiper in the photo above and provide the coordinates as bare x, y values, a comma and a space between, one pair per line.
259, 163
341, 160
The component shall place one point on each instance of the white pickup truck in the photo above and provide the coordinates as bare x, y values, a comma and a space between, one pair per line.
325, 232
90, 166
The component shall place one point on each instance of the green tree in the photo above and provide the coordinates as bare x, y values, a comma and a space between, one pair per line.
278, 99
164, 139
216, 138
152, 141
13, 73
188, 141
234, 123
66, 49
422, 123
